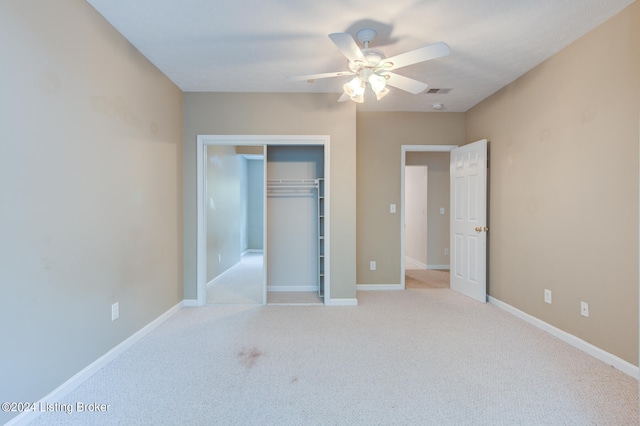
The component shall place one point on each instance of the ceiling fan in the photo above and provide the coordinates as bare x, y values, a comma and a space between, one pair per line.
371, 66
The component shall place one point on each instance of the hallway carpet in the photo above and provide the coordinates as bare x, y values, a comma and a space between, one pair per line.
426, 278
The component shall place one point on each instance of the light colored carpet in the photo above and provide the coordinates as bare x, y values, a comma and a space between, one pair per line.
413, 357
426, 278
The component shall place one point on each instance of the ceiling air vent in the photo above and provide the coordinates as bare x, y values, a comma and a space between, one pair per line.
438, 91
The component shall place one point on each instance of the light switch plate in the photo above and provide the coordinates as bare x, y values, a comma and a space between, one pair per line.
115, 311
584, 309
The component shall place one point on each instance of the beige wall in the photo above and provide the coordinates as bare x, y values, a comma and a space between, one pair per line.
380, 137
279, 114
564, 186
90, 177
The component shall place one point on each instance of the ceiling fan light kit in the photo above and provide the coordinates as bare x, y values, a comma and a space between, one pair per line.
355, 88
370, 66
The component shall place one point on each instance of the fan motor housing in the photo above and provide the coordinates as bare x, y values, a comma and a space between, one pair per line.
373, 56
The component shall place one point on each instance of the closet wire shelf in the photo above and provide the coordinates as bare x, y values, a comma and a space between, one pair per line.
293, 187
275, 185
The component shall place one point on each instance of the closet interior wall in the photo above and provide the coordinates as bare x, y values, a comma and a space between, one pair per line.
293, 260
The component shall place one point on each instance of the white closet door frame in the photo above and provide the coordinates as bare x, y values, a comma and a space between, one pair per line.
254, 140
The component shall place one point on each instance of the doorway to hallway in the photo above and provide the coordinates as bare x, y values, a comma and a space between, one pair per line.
425, 215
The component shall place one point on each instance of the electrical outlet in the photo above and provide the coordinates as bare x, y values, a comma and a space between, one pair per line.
372, 265
584, 309
547, 296
219, 258
446, 252
115, 311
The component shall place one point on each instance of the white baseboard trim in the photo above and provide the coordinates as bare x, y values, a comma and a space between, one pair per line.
447, 267
279, 288
342, 302
414, 262
574, 341
253, 251
374, 287
83, 375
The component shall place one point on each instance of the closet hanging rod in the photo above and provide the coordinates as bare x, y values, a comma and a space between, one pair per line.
292, 181
292, 187
292, 184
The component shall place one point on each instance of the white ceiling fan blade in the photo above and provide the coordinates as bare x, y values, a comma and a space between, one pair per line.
347, 46
317, 76
405, 83
426, 53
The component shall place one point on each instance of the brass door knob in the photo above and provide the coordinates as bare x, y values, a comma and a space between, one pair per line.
478, 228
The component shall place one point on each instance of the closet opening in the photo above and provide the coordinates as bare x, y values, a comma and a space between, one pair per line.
263, 220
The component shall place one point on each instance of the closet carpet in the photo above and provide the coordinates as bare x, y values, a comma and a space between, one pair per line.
413, 357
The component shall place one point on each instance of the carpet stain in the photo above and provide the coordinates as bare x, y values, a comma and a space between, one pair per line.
294, 379
249, 357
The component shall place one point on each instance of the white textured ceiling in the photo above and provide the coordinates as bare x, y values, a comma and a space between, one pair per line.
254, 45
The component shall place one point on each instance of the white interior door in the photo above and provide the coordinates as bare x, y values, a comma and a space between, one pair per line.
469, 220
